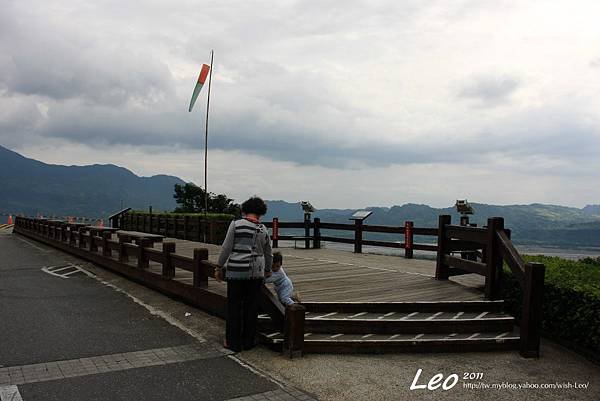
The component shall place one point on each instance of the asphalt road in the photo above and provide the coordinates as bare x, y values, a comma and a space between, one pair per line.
45, 319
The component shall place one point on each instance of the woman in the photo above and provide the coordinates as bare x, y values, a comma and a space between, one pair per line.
245, 260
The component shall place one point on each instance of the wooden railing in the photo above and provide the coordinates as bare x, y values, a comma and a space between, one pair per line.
116, 220
494, 246
483, 251
406, 232
118, 255
193, 228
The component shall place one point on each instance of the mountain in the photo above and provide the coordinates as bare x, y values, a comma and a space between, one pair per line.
29, 186
591, 209
530, 224
534, 216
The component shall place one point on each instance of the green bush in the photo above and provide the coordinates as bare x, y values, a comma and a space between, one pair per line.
571, 306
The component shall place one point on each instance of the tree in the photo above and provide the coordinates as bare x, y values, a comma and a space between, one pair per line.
190, 199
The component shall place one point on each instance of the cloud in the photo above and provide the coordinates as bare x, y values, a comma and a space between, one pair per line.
370, 85
490, 90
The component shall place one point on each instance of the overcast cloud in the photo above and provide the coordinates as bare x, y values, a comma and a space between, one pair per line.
345, 103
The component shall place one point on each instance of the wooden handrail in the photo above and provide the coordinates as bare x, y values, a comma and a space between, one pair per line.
383, 229
472, 234
336, 226
511, 256
466, 265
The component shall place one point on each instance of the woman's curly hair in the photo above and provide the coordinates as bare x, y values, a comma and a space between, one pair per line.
254, 205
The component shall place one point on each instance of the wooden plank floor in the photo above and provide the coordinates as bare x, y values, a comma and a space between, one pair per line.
334, 275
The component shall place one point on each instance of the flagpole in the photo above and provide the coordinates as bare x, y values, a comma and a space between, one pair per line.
212, 52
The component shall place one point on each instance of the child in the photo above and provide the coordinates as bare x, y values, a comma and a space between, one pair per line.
283, 284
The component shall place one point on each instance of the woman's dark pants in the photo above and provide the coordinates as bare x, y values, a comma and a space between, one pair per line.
242, 313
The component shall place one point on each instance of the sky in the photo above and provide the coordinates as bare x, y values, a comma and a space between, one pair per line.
346, 104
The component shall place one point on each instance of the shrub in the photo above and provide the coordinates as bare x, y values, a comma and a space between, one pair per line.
571, 306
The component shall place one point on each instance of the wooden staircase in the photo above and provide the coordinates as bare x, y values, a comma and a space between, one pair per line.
399, 327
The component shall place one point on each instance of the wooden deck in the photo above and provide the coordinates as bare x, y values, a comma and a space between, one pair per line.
334, 275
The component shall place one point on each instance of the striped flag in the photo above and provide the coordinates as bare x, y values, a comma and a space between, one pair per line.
201, 79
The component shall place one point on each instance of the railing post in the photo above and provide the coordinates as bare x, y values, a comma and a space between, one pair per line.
408, 239
293, 331
142, 257
105, 246
123, 257
80, 240
442, 270
186, 223
92, 246
71, 236
493, 259
211, 232
307, 230
198, 230
200, 276
531, 320
357, 236
168, 270
317, 233
275, 231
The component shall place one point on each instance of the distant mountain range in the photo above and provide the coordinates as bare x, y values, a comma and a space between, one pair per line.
530, 224
518, 217
30, 187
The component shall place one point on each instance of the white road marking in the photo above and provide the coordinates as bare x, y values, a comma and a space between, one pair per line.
336, 335
482, 314
367, 335
307, 335
153, 311
78, 269
459, 314
473, 336
502, 335
10, 393
434, 315
394, 336
418, 336
33, 245
60, 268
273, 334
73, 272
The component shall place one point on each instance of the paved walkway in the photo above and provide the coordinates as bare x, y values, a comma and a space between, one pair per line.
73, 336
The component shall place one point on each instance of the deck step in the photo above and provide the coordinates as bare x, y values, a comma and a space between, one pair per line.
442, 342
385, 307
414, 323
378, 327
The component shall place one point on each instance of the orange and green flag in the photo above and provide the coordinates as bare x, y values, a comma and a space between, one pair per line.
201, 79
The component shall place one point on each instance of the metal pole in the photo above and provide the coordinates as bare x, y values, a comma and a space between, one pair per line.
212, 52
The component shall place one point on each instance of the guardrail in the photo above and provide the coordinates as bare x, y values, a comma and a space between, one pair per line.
191, 228
496, 249
460, 250
118, 255
406, 233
